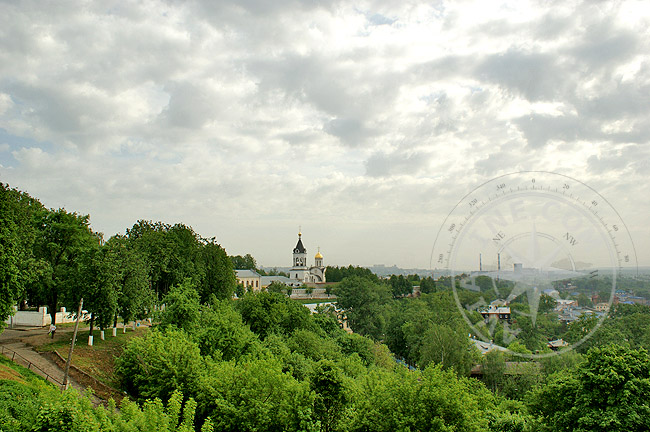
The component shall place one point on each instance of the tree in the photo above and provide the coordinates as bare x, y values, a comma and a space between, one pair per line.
98, 283
135, 298
327, 383
484, 282
493, 367
337, 274
156, 365
246, 262
218, 275
546, 304
427, 285
63, 239
400, 286
18, 214
222, 333
172, 252
362, 300
255, 396
182, 306
429, 400
608, 391
277, 287
449, 348
269, 312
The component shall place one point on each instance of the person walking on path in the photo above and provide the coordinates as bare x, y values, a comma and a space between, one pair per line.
52, 330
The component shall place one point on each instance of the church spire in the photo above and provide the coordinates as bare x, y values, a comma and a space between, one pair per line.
300, 248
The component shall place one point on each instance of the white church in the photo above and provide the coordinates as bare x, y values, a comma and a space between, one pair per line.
300, 271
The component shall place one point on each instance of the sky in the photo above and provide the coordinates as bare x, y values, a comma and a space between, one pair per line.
361, 123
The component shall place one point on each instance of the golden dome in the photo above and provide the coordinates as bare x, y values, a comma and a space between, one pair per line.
318, 255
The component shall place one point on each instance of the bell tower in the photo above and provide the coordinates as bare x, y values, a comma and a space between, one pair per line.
299, 270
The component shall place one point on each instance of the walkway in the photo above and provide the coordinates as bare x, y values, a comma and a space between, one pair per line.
12, 346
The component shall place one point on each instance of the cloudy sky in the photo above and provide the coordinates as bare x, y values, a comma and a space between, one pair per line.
362, 122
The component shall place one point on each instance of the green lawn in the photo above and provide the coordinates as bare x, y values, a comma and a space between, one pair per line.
97, 360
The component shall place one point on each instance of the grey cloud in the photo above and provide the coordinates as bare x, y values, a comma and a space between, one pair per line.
536, 76
603, 45
190, 107
60, 109
397, 163
621, 100
261, 7
634, 157
552, 26
350, 131
505, 157
538, 129
352, 96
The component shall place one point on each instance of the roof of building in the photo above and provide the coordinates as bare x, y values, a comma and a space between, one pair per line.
496, 310
247, 273
299, 246
318, 255
557, 343
485, 347
268, 280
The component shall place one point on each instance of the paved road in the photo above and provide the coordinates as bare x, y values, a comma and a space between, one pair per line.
12, 346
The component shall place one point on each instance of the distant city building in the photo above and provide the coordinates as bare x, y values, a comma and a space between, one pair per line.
602, 307
486, 347
557, 344
551, 292
562, 304
303, 273
496, 312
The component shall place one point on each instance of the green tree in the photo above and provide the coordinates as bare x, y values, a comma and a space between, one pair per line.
362, 300
135, 297
181, 306
449, 348
222, 332
255, 396
485, 283
98, 283
337, 274
63, 240
400, 286
546, 304
156, 365
173, 253
427, 285
429, 400
327, 383
268, 312
277, 287
246, 262
217, 269
609, 391
493, 367
18, 214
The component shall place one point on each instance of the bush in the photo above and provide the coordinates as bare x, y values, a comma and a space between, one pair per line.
159, 363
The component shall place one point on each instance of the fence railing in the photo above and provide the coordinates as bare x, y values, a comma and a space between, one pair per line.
28, 364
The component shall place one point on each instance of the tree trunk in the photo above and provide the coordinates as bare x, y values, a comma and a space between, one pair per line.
92, 323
